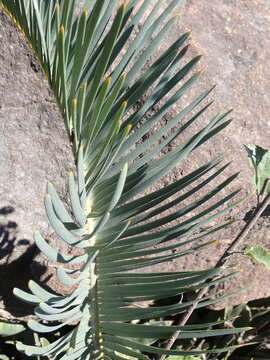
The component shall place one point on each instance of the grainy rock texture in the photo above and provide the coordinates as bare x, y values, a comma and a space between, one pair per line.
34, 149
232, 37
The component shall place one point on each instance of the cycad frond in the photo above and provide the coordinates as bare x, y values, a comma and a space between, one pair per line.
96, 90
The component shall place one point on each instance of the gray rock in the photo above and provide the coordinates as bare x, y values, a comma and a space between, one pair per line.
34, 149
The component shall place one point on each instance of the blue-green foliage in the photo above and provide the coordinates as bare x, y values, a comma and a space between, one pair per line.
92, 61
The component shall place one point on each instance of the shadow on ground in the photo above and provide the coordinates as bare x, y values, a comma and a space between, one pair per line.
17, 261
250, 213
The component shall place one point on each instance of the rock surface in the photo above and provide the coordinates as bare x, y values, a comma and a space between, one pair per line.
34, 149
232, 36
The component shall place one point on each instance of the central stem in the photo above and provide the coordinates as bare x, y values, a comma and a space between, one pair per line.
93, 293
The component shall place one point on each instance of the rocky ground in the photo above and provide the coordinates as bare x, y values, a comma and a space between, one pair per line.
233, 39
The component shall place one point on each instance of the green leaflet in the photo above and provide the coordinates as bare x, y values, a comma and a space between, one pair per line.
81, 178
48, 349
32, 299
162, 332
259, 254
53, 317
155, 350
57, 225
260, 160
54, 255
75, 200
10, 329
38, 327
108, 47
175, 357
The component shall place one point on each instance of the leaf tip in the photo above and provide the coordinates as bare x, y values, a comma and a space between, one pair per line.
14, 290
123, 5
182, 51
49, 186
47, 197
108, 79
28, 352
84, 85
30, 322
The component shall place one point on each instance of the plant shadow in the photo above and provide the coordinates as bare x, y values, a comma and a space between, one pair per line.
17, 259
250, 213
